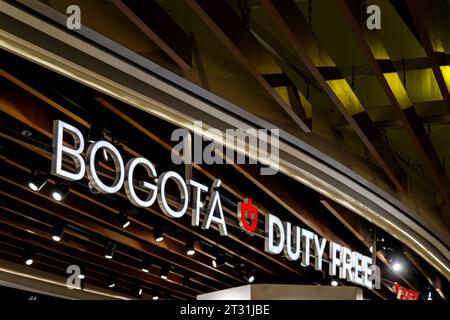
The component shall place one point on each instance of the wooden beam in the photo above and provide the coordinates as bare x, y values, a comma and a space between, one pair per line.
432, 44
228, 27
378, 57
406, 65
289, 19
277, 80
397, 124
288, 62
159, 26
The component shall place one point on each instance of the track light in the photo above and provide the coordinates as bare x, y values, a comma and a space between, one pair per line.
109, 250
241, 270
122, 219
145, 266
158, 234
82, 273
397, 266
155, 295
137, 290
394, 258
37, 181
334, 283
111, 282
250, 277
190, 251
57, 232
59, 192
28, 258
218, 261
164, 274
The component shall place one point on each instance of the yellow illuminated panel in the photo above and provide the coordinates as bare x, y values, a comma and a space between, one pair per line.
445, 70
398, 89
346, 96
306, 105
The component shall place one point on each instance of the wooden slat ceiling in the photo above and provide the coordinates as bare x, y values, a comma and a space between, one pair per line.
31, 103
280, 61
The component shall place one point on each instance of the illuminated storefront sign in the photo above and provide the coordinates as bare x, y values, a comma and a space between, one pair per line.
293, 242
296, 243
405, 293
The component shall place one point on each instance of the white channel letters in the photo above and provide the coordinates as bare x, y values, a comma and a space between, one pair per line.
124, 175
295, 243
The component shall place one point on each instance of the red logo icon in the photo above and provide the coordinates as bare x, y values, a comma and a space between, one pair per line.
404, 293
247, 215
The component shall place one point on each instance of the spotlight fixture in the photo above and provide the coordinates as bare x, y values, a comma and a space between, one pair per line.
137, 290
57, 232
82, 273
250, 277
37, 181
190, 251
241, 270
109, 250
164, 274
334, 283
158, 234
397, 266
28, 257
111, 282
59, 192
122, 219
145, 266
218, 261
155, 295
394, 258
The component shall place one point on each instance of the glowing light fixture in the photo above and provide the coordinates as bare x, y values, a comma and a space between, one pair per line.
59, 192
190, 251
57, 232
37, 181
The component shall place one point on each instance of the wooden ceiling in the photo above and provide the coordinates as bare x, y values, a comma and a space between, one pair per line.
280, 61
313, 67
30, 103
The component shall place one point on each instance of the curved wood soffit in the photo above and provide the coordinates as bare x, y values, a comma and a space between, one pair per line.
383, 211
